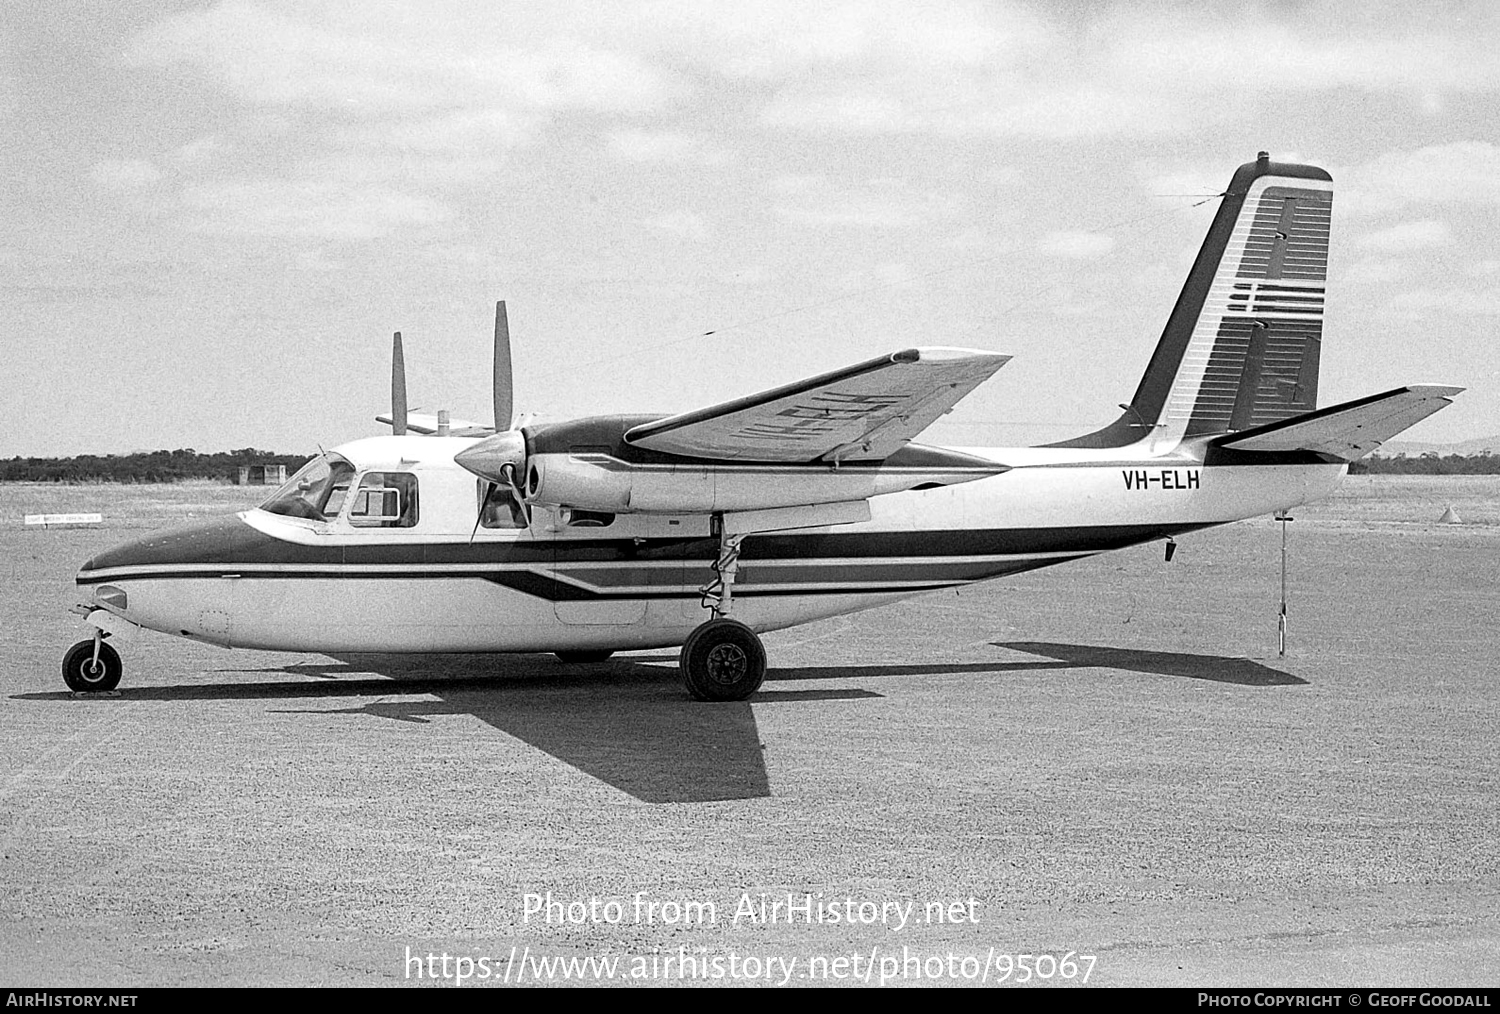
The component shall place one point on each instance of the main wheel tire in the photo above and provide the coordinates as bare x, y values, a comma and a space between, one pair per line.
82, 675
581, 655
723, 660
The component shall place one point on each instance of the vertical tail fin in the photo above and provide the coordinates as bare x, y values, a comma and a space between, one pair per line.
1241, 347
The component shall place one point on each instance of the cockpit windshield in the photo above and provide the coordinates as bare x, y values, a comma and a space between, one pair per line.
316, 492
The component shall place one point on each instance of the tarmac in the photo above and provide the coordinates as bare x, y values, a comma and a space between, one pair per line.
1102, 765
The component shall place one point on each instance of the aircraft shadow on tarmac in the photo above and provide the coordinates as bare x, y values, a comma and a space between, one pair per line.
1215, 668
627, 722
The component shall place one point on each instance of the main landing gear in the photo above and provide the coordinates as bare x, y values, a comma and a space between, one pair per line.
92, 667
722, 660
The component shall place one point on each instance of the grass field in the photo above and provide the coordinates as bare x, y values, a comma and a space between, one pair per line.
1104, 758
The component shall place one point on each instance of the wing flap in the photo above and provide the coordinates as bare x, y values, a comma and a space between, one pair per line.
864, 412
1348, 431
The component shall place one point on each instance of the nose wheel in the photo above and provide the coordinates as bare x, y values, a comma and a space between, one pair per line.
722, 660
92, 667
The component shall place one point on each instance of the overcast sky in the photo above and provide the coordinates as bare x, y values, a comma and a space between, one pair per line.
216, 214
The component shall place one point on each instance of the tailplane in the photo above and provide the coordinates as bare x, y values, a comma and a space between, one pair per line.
1345, 432
1241, 347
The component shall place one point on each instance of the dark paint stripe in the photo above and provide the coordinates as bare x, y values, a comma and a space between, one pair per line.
240, 544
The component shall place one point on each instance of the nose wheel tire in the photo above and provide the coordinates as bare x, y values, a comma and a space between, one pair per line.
722, 660
85, 676
577, 657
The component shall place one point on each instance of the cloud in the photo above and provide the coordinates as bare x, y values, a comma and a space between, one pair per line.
1033, 107
1409, 236
810, 199
1072, 245
750, 277
1125, 70
896, 275
773, 40
1375, 270
1425, 303
307, 208
125, 174
666, 146
1463, 172
1260, 51
686, 224
372, 60
465, 130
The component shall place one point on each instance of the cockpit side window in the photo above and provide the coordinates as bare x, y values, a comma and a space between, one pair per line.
315, 492
498, 507
385, 500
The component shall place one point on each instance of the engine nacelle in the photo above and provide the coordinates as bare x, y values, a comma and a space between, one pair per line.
601, 482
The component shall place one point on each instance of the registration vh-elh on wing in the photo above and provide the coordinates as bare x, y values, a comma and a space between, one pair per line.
707, 528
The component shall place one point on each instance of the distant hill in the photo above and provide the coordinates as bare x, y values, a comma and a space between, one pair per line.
1412, 448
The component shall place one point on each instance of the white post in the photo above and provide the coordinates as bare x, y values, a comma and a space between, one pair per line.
1281, 612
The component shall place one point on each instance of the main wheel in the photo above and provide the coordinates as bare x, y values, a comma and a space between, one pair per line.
82, 674
584, 655
723, 660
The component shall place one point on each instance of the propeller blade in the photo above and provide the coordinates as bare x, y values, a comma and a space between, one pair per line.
489, 491
398, 387
504, 395
509, 471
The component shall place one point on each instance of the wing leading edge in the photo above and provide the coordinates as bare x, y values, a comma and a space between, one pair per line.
1348, 431
864, 412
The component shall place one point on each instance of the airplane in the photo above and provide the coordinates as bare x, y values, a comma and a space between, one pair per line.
708, 528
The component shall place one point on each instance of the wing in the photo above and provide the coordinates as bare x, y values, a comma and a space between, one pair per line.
1348, 431
864, 412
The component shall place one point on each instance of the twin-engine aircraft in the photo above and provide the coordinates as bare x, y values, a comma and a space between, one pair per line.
707, 528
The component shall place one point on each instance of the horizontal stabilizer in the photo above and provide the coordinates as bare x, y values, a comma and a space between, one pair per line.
427, 425
864, 412
1348, 431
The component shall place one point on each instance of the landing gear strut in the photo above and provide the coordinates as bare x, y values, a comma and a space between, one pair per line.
722, 660
92, 667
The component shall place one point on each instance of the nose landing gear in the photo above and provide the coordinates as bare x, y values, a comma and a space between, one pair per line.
92, 667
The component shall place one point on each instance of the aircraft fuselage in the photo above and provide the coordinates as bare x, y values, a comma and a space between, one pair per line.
266, 580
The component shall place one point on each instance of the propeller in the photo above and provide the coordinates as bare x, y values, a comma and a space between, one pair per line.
398, 387
500, 459
504, 392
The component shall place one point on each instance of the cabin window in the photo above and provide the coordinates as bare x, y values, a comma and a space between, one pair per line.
316, 492
385, 500
498, 507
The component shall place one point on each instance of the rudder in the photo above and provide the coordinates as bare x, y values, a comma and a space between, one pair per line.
1242, 345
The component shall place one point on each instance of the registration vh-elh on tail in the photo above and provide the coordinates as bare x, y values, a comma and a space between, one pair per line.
707, 528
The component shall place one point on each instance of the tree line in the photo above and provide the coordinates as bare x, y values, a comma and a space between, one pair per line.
1430, 463
145, 466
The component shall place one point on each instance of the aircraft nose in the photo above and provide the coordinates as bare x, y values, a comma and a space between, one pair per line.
218, 540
